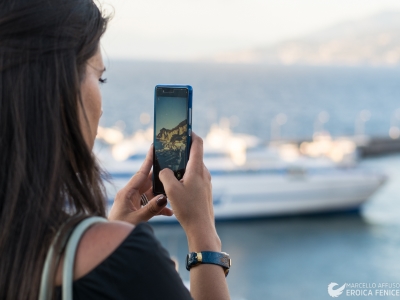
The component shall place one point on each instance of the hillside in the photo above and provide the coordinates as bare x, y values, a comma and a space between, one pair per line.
371, 41
174, 138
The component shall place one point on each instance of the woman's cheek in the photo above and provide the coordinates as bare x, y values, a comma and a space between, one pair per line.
91, 98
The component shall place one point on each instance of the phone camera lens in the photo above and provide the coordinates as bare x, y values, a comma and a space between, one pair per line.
178, 175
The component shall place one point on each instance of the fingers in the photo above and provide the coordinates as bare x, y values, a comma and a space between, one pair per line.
156, 206
147, 186
196, 153
149, 193
142, 175
168, 179
166, 212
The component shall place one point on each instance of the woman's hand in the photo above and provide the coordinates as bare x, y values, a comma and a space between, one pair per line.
191, 200
127, 203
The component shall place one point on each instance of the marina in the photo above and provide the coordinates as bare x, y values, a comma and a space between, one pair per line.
239, 150
252, 181
283, 250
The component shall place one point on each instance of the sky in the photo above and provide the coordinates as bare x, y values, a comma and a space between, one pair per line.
184, 30
170, 112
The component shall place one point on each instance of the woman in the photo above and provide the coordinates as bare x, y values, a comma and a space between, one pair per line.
50, 105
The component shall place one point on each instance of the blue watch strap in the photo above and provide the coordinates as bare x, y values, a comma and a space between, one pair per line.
208, 257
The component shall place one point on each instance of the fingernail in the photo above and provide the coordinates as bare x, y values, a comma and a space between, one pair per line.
162, 201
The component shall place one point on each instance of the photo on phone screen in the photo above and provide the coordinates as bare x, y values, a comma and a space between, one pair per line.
172, 128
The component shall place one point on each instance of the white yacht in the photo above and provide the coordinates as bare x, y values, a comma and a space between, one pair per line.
254, 180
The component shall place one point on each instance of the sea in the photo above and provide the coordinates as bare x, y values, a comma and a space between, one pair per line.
287, 257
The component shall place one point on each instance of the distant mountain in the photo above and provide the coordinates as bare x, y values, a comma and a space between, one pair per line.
371, 41
174, 138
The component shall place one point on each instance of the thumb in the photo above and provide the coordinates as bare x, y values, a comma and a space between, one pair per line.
168, 178
153, 208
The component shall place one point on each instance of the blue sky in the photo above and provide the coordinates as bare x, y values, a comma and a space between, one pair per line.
190, 29
170, 112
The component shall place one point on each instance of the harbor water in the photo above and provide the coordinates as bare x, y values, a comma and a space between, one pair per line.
289, 257
252, 95
297, 257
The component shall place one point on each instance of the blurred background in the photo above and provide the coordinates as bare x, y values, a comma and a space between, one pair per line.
299, 106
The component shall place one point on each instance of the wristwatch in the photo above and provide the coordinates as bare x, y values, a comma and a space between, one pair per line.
208, 257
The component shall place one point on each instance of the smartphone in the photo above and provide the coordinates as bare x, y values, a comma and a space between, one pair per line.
172, 131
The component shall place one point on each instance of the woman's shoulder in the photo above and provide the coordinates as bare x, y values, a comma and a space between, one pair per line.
116, 260
98, 243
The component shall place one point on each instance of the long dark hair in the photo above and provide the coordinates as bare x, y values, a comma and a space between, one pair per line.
47, 172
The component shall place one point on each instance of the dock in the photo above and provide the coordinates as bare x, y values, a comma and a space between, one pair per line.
376, 146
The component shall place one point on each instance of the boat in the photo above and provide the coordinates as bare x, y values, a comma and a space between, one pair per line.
251, 179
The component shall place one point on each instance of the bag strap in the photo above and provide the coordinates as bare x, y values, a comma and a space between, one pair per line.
69, 259
46, 286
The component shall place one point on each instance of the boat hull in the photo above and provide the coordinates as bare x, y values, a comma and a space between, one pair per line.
254, 194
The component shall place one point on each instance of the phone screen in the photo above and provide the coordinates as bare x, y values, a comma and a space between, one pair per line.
171, 133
